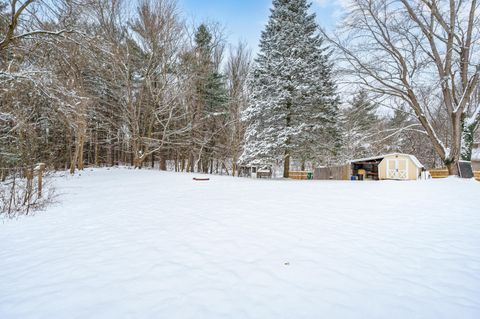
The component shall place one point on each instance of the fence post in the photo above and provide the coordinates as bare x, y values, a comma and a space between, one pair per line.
28, 191
40, 169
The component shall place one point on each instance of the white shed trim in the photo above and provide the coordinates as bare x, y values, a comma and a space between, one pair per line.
380, 157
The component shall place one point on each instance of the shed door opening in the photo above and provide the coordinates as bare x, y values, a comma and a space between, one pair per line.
397, 169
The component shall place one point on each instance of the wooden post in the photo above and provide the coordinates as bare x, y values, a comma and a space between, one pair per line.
40, 169
29, 186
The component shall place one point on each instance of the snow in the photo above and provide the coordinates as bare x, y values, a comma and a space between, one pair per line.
149, 244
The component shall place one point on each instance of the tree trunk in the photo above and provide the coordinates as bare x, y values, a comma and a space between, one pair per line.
453, 159
191, 163
96, 150
286, 165
77, 158
73, 160
139, 160
163, 163
110, 156
453, 168
226, 169
132, 160
81, 142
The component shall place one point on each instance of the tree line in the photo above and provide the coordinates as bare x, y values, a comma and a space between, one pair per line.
102, 83
108, 82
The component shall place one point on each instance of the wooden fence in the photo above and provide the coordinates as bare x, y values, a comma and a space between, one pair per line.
476, 174
332, 173
439, 172
300, 175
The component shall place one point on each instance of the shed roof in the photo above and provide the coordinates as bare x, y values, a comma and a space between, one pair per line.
381, 157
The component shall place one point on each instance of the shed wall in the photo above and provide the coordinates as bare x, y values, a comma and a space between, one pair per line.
413, 170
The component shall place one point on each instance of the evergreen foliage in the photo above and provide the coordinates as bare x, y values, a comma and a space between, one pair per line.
294, 106
360, 125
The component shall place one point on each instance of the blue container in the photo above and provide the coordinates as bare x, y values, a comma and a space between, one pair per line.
353, 178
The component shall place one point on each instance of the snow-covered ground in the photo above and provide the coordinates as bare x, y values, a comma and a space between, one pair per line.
148, 244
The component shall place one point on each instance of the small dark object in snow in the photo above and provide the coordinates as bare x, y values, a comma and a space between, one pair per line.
287, 264
201, 179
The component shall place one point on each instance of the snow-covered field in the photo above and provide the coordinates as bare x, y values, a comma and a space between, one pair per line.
148, 244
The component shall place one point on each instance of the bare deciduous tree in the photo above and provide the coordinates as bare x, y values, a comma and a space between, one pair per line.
237, 70
423, 53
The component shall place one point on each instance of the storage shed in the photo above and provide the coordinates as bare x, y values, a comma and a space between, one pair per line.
394, 166
400, 167
256, 171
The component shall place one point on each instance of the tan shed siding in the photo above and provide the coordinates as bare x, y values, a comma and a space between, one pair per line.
413, 170
382, 169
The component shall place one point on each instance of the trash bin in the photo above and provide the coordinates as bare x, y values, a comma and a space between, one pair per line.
309, 176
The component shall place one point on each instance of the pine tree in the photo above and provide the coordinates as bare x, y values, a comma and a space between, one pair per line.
468, 139
360, 123
294, 107
211, 95
210, 84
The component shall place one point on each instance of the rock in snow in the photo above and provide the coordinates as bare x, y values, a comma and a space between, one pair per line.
147, 244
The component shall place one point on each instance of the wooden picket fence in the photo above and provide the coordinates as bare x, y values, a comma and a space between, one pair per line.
439, 172
476, 174
300, 175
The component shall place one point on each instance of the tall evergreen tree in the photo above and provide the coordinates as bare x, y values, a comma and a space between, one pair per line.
294, 107
468, 139
361, 122
211, 97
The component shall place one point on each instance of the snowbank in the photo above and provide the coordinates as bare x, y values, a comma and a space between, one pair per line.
146, 244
